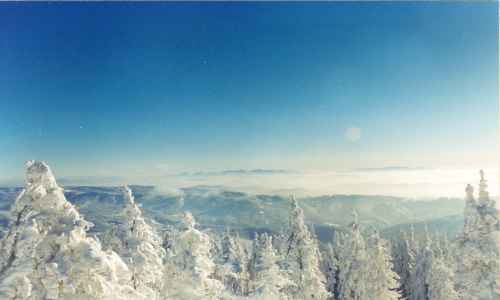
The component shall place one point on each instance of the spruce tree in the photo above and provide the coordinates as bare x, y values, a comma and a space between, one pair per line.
141, 249
353, 265
440, 280
382, 281
47, 254
302, 258
477, 249
419, 289
190, 270
233, 268
268, 281
404, 263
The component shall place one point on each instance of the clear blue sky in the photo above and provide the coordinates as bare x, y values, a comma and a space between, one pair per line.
108, 88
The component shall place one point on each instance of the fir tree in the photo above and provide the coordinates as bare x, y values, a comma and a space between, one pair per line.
331, 269
419, 289
404, 263
477, 251
141, 249
268, 281
234, 265
440, 280
47, 253
190, 269
352, 283
382, 281
302, 258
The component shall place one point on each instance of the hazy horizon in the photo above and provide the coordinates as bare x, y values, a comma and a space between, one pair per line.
399, 181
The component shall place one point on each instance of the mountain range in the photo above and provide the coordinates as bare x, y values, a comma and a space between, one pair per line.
216, 207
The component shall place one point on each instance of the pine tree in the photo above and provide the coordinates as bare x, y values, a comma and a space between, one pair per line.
477, 251
446, 251
302, 258
404, 263
233, 269
190, 269
365, 270
47, 253
418, 286
382, 281
141, 249
330, 268
440, 280
352, 283
269, 282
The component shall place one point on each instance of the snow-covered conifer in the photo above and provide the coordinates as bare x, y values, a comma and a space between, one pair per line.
404, 263
365, 271
141, 249
302, 258
189, 270
382, 281
477, 249
440, 280
419, 289
47, 254
353, 265
233, 268
268, 281
330, 266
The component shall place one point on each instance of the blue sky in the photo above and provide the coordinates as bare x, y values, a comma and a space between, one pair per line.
127, 88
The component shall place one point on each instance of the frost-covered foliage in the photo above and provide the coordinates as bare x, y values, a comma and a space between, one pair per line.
352, 266
382, 281
477, 254
141, 249
404, 254
302, 258
190, 270
330, 267
269, 282
233, 265
365, 268
440, 280
419, 288
47, 254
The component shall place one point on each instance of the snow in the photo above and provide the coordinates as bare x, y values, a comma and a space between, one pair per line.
477, 256
47, 254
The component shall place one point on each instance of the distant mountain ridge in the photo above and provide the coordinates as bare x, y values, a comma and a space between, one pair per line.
390, 168
216, 207
237, 172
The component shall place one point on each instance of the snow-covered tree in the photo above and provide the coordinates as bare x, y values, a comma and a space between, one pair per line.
419, 289
280, 242
302, 258
382, 281
47, 254
330, 267
365, 272
141, 249
440, 280
233, 268
352, 283
404, 262
189, 270
477, 249
268, 281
